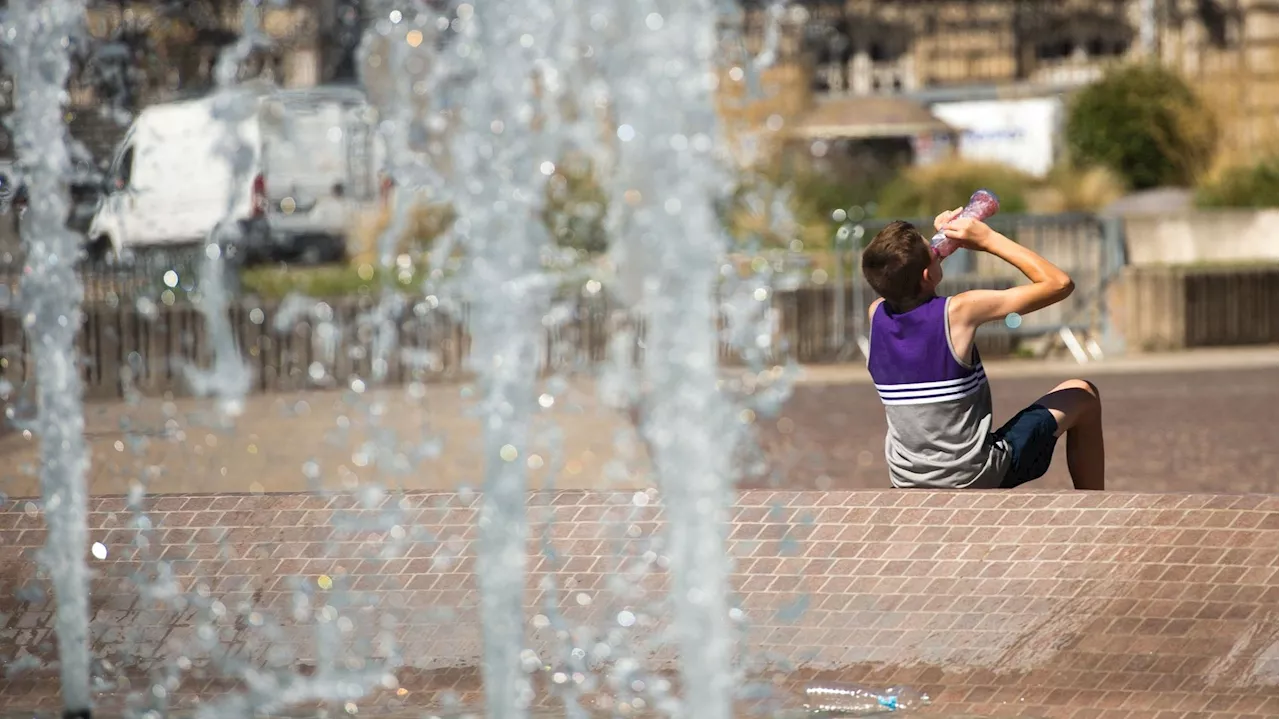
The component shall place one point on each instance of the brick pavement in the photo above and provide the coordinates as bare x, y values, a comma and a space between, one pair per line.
1205, 430
1170, 426
1105, 569
434, 441
1049, 605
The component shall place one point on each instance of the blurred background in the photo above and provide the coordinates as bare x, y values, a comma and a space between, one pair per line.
1133, 142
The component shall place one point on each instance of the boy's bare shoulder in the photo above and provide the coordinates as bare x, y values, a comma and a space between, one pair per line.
871, 311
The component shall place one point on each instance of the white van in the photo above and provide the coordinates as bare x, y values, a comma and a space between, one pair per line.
313, 163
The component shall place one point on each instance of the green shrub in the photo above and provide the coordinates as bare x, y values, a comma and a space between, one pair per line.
275, 282
1071, 188
1144, 122
927, 190
812, 198
576, 206
1256, 185
818, 195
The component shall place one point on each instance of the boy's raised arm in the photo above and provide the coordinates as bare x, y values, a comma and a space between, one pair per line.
1049, 284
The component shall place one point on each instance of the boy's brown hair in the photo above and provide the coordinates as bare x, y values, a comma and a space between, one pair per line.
895, 262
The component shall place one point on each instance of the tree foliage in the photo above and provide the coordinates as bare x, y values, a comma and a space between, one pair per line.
927, 190
1244, 185
575, 207
1144, 122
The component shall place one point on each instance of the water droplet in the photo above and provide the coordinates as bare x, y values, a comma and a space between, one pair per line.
626, 133
324, 581
1013, 320
547, 168
626, 618
653, 21
529, 661
508, 453
546, 400
99, 550
147, 308
170, 278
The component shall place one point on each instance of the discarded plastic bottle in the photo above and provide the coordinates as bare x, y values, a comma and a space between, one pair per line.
836, 699
982, 204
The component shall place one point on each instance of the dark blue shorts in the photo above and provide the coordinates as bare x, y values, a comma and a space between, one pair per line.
1031, 439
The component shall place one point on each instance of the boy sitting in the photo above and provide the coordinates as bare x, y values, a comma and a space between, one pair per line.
926, 368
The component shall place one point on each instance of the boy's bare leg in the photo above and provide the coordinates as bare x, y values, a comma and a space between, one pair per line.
1077, 407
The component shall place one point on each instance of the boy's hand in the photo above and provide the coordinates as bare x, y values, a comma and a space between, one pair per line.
970, 233
941, 220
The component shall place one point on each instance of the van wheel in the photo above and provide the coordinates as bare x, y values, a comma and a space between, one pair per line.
99, 250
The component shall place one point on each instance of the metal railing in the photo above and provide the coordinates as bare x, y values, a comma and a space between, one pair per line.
126, 280
1088, 248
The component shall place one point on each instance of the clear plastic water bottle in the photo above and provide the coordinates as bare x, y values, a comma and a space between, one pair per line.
982, 204
837, 699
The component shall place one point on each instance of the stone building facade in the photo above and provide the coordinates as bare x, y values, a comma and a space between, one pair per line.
993, 48
830, 49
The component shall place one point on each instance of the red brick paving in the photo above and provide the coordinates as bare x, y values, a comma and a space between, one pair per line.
1054, 605
1194, 431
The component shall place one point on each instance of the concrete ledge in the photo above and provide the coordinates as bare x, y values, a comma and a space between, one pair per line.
1024, 603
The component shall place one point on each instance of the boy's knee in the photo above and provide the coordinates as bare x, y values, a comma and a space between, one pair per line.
1084, 385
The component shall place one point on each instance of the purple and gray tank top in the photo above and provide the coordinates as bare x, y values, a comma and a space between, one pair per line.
938, 406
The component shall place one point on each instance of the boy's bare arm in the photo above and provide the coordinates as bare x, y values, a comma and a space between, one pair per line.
1049, 284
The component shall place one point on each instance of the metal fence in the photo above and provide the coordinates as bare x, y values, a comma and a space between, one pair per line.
1172, 308
295, 346
123, 280
1090, 249
152, 345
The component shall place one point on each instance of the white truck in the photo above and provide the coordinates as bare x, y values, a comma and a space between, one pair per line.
312, 163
